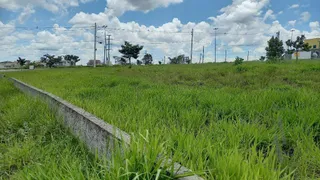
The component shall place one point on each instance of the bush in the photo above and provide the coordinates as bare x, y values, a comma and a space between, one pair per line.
241, 69
262, 58
274, 60
238, 61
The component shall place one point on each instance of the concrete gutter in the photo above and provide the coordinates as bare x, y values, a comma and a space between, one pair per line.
99, 136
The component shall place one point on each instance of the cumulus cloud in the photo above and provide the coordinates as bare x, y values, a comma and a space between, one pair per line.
50, 5
241, 28
314, 25
294, 6
117, 8
237, 50
269, 14
305, 16
292, 23
25, 14
6, 29
242, 11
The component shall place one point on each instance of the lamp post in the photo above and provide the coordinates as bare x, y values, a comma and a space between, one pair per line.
215, 44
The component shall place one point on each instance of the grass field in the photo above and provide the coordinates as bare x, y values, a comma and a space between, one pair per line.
35, 145
254, 121
32, 144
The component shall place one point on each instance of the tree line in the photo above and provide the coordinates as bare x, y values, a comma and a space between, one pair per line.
130, 51
275, 50
52, 60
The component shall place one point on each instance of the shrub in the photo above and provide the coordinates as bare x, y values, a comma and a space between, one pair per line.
238, 61
242, 69
274, 60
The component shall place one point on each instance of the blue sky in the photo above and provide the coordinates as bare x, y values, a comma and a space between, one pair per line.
247, 25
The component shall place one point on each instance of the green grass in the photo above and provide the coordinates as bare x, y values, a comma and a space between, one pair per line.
254, 121
34, 145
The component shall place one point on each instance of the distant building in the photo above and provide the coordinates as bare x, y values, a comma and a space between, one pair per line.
120, 60
9, 64
91, 63
301, 55
63, 63
315, 47
314, 43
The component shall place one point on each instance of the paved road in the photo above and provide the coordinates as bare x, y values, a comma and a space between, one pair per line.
16, 70
12, 70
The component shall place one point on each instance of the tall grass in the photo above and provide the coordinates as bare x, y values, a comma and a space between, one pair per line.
34, 145
260, 121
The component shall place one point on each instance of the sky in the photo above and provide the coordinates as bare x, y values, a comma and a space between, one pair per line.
32, 28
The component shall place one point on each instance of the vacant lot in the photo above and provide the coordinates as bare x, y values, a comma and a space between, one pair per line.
34, 145
251, 121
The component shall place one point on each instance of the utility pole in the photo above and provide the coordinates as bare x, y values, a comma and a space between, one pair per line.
95, 45
200, 58
164, 59
292, 30
109, 48
105, 45
225, 55
203, 54
248, 55
215, 44
278, 34
191, 45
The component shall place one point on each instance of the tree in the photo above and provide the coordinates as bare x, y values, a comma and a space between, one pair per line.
275, 49
298, 45
51, 60
130, 51
147, 59
21, 61
262, 58
177, 60
139, 62
72, 59
160, 62
238, 61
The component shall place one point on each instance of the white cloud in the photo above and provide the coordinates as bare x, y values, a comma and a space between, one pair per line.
305, 16
24, 35
50, 5
25, 14
241, 11
269, 14
280, 12
294, 6
241, 28
292, 23
117, 8
237, 50
83, 18
314, 25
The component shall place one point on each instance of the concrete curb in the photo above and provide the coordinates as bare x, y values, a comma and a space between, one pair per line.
99, 136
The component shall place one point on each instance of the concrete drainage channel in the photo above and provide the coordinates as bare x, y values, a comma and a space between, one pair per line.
98, 135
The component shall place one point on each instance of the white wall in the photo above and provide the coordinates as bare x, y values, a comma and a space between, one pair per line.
302, 55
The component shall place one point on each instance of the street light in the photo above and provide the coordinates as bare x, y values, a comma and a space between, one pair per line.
105, 42
292, 30
215, 44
